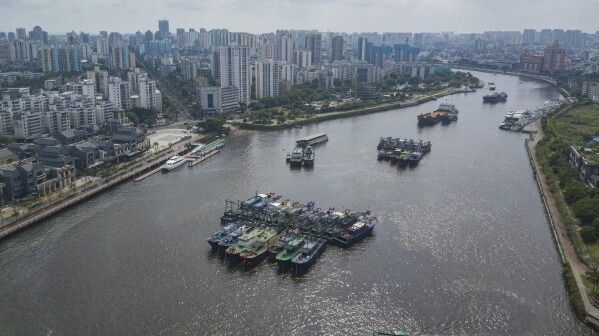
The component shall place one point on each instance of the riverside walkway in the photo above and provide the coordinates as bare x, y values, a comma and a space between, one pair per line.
88, 192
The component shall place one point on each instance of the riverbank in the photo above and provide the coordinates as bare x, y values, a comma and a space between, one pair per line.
97, 188
572, 264
350, 113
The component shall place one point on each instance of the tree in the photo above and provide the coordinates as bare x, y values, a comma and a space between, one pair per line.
586, 210
593, 276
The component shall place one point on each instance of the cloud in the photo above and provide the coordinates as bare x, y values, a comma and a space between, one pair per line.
334, 15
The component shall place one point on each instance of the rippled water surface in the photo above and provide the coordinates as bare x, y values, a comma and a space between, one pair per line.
464, 247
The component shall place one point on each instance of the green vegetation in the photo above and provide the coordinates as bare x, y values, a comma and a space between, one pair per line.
577, 126
573, 293
142, 116
578, 204
213, 124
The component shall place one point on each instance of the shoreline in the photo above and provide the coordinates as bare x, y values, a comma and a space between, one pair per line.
569, 258
63, 204
351, 113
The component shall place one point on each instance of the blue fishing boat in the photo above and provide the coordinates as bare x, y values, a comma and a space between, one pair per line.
308, 254
232, 238
220, 235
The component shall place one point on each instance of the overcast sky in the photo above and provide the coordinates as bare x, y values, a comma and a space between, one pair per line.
255, 16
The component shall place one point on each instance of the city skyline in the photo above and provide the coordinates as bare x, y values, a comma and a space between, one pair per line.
460, 16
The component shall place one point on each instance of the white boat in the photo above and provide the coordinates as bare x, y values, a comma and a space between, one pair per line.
173, 163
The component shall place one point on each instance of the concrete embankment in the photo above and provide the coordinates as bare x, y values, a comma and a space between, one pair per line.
564, 245
62, 204
350, 113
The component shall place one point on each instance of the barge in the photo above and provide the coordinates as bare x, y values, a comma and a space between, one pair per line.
312, 140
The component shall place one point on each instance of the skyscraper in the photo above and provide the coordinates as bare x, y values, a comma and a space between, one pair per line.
235, 70
163, 29
337, 49
285, 49
21, 34
37, 33
362, 42
554, 58
314, 45
528, 36
267, 79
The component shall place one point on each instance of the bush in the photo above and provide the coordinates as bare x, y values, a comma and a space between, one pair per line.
587, 234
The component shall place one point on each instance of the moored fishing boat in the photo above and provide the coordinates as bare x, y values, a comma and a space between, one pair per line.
297, 157
308, 156
289, 252
284, 239
220, 235
404, 158
233, 237
308, 254
258, 249
233, 253
414, 159
356, 232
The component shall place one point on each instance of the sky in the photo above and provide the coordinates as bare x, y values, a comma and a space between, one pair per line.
257, 16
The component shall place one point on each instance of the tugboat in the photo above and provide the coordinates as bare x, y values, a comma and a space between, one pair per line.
495, 97
308, 156
308, 255
297, 157
291, 250
414, 159
258, 250
216, 238
233, 253
355, 233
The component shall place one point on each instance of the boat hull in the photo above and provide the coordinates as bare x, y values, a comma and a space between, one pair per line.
349, 242
302, 268
254, 260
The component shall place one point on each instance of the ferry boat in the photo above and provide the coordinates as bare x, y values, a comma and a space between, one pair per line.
258, 250
355, 233
308, 156
173, 163
214, 145
297, 156
220, 235
289, 252
495, 97
312, 140
308, 255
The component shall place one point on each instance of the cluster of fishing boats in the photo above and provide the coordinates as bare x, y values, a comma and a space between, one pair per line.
402, 151
291, 233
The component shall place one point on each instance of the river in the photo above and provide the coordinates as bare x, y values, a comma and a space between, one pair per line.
464, 247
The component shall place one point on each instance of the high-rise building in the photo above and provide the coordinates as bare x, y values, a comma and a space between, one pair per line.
303, 58
554, 58
285, 49
163, 29
337, 48
37, 33
235, 70
528, 36
189, 69
21, 34
362, 43
314, 45
267, 79
545, 37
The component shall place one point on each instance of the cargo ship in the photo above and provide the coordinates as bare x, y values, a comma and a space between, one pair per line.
446, 113
313, 140
495, 97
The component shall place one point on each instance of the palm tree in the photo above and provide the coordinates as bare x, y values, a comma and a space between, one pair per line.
593, 276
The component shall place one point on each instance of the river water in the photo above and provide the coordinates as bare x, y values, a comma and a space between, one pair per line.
464, 247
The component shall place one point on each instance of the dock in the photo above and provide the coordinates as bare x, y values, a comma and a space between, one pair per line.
194, 160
